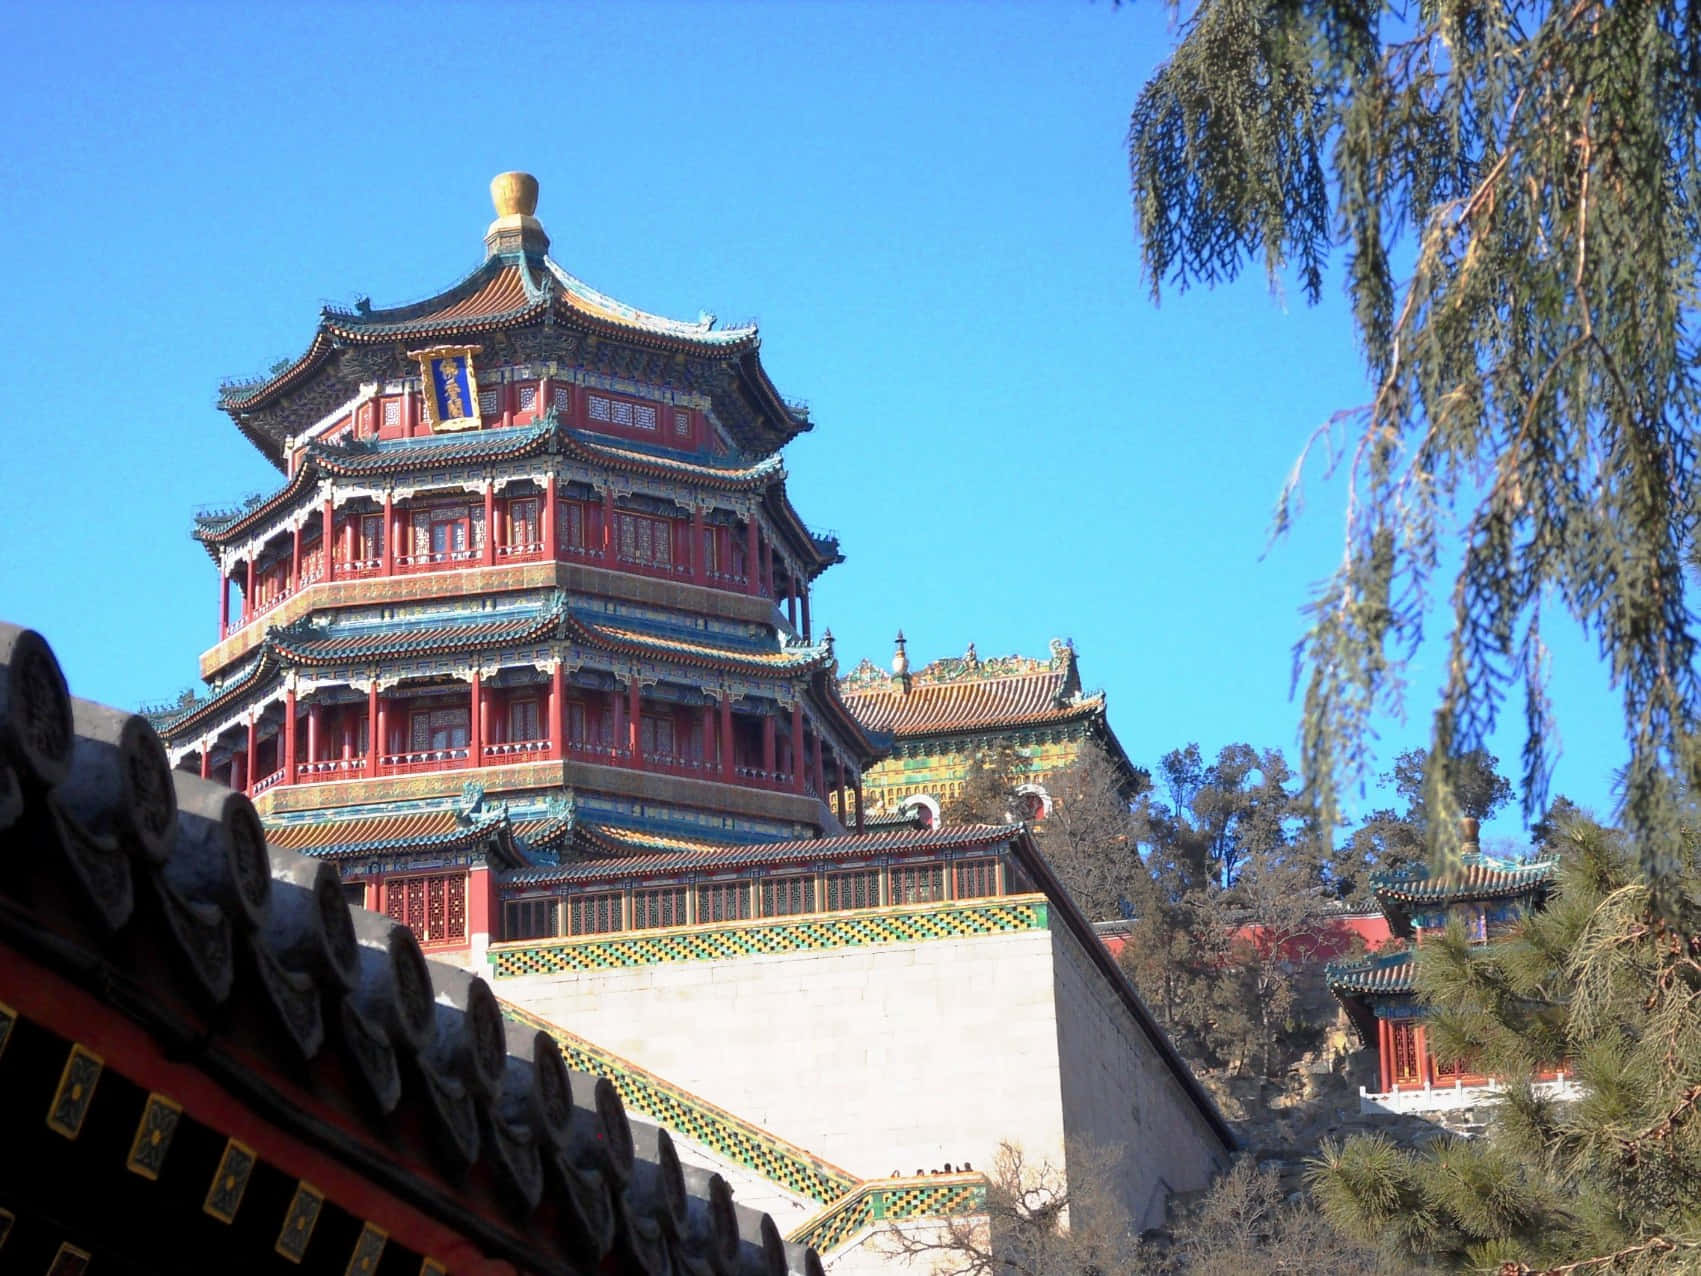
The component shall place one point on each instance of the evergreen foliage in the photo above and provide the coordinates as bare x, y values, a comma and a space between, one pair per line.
1606, 979
1515, 187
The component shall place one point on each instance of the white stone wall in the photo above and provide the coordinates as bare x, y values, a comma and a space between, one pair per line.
900, 1057
1119, 1097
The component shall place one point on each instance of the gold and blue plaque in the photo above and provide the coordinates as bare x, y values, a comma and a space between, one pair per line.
450, 387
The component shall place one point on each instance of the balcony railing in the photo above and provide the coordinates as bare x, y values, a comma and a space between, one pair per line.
445, 561
608, 754
425, 760
516, 748
267, 782
330, 767
520, 553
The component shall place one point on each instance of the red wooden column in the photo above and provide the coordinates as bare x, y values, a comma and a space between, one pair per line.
207, 761
839, 788
770, 760
608, 524
558, 710
288, 736
724, 740
859, 825
617, 711
698, 573
248, 758
248, 596
551, 521
820, 771
799, 750
224, 605
489, 556
325, 538
752, 567
791, 604
476, 718
374, 729
769, 586
708, 717
805, 601
634, 718
1420, 1044
389, 562
508, 406
315, 730
1384, 1055
295, 560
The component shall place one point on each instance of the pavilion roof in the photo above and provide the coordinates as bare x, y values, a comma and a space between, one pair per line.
607, 853
518, 289
969, 694
1476, 876
1381, 974
375, 457
551, 618
340, 834
141, 911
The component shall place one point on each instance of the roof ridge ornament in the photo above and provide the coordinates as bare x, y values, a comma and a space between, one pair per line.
516, 228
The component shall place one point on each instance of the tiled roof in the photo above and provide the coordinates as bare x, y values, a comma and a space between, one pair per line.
351, 834
692, 651
385, 456
590, 447
1028, 698
1477, 877
1389, 974
339, 642
622, 854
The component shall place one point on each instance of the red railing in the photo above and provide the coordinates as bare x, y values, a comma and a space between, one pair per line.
332, 767
266, 782
425, 760
517, 748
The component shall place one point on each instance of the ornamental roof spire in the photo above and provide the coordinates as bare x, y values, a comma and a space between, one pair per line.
516, 228
901, 666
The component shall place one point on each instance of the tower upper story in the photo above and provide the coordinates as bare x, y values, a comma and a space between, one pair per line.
522, 522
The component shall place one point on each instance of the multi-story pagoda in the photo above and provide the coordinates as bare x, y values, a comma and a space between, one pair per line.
1488, 897
532, 577
944, 715
523, 644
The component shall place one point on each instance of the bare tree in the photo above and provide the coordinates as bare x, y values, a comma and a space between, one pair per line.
1091, 835
1038, 1222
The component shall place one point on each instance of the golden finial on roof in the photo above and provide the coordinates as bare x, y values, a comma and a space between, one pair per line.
516, 228
514, 194
900, 659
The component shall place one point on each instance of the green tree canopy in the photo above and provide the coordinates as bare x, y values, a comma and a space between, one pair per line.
1604, 981
1514, 188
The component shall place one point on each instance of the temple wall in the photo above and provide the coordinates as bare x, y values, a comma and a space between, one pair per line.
1118, 1096
901, 1057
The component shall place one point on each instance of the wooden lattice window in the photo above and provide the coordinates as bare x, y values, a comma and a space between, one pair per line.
434, 908
523, 523
644, 540
859, 889
976, 879
1405, 1051
528, 919
523, 721
572, 525
658, 906
641, 416
918, 883
782, 896
594, 914
723, 901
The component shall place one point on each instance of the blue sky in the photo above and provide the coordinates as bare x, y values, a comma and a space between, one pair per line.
924, 205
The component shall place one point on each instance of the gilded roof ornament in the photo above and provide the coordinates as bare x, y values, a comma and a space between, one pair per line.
516, 228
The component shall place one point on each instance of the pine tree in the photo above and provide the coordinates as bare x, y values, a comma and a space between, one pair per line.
1517, 191
1607, 979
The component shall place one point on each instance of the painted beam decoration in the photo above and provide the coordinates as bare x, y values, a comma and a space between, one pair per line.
451, 387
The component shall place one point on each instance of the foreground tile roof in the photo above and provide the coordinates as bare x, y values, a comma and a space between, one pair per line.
341, 834
485, 1130
610, 854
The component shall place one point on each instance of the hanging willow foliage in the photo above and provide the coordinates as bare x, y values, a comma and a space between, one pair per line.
1515, 188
